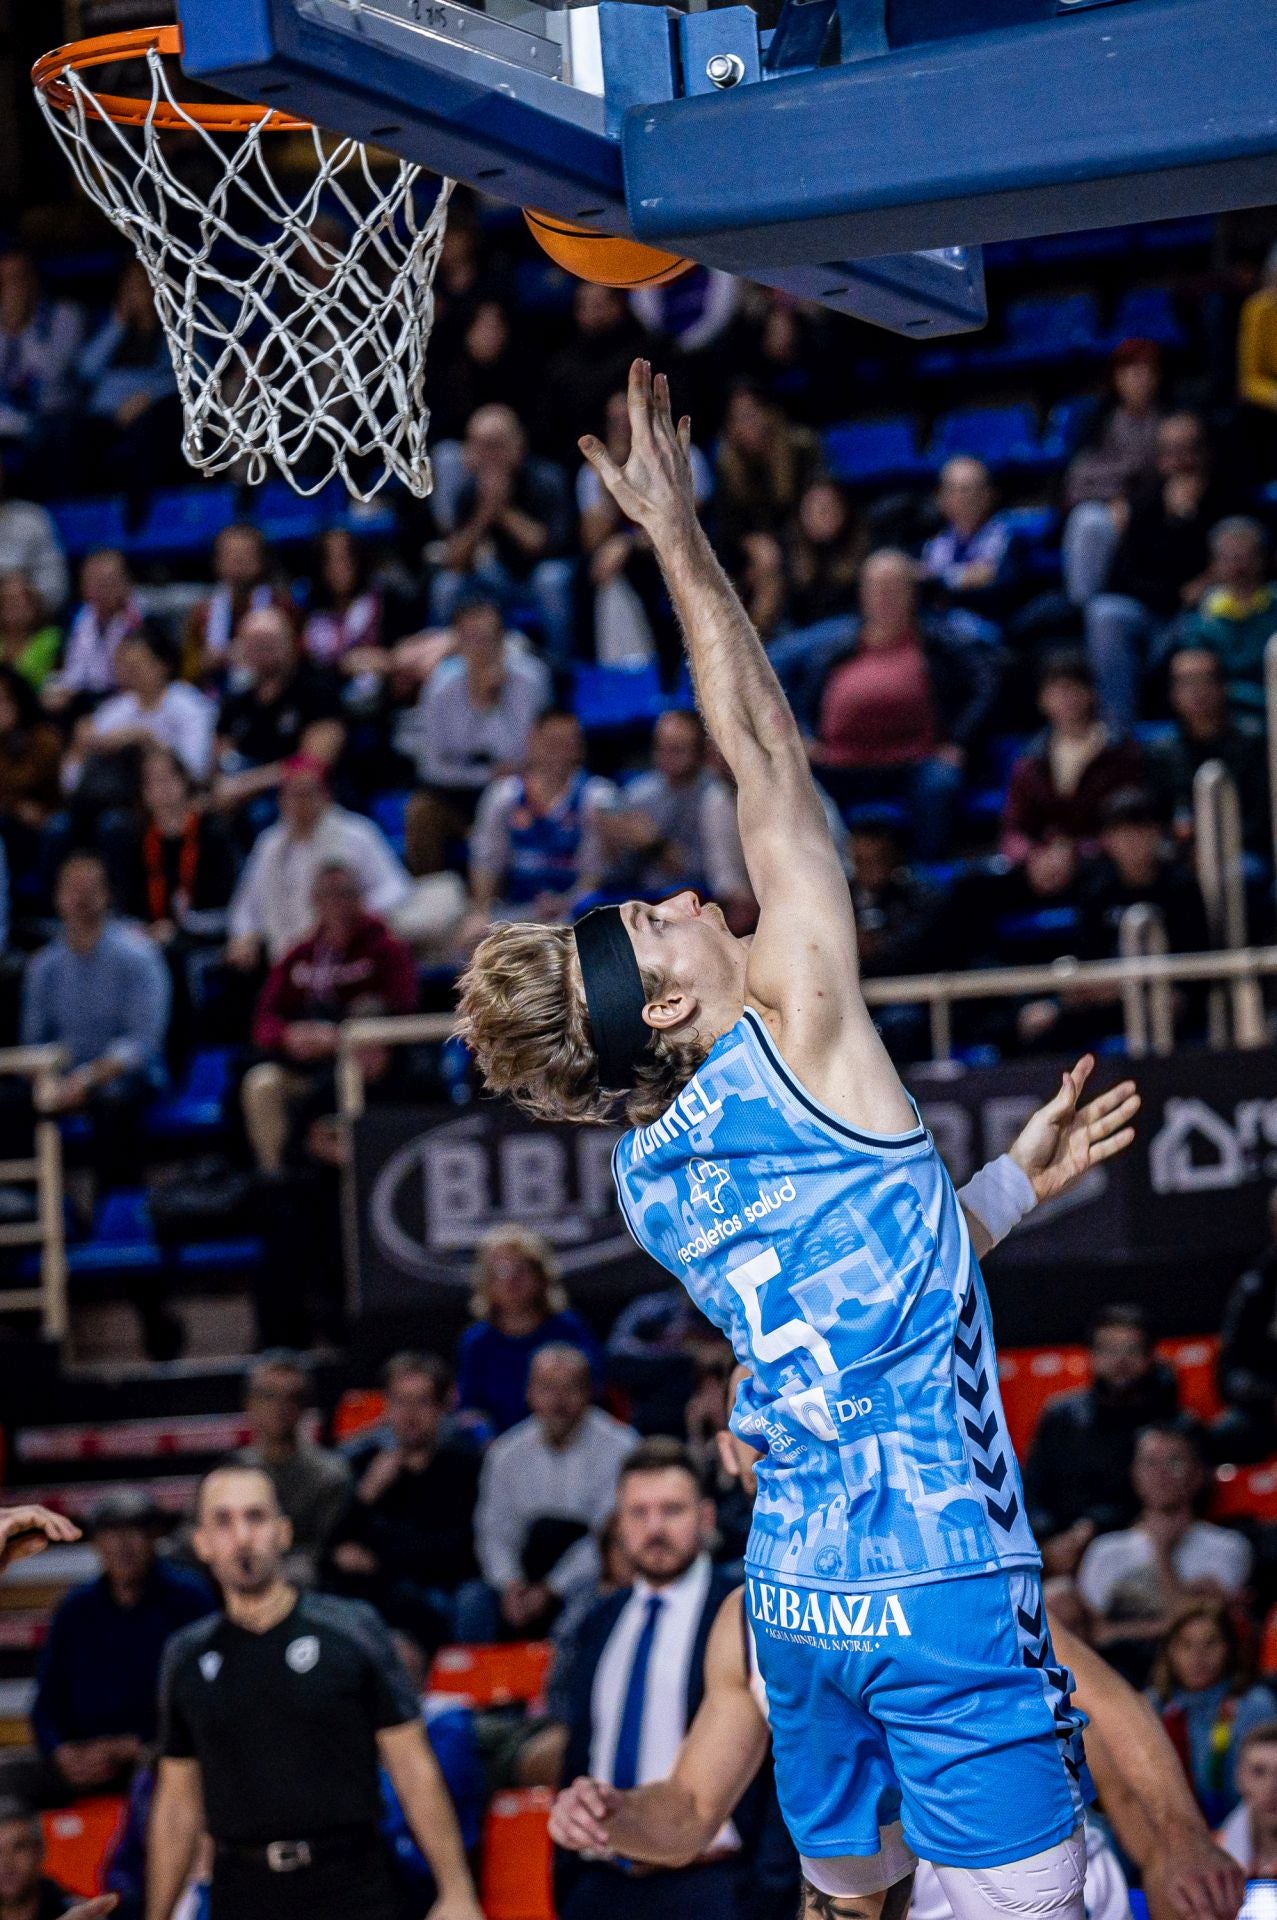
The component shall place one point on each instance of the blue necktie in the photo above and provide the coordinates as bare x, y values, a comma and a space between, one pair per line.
625, 1765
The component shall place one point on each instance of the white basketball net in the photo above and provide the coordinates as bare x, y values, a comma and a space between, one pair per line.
298, 316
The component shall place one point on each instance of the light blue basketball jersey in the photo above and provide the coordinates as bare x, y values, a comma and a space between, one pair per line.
839, 1266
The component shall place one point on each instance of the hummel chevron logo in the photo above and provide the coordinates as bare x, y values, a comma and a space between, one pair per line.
968, 1309
1031, 1622
982, 1435
968, 1354
992, 1478
1004, 1516
975, 1394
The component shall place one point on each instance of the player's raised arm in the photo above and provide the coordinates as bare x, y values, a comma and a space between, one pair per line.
802, 966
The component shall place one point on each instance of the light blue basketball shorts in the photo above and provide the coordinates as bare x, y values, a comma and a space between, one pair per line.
942, 1707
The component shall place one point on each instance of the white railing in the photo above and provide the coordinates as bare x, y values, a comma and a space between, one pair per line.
41, 1066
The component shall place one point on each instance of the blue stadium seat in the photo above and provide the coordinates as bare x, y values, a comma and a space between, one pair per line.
862, 450
184, 520
85, 524
282, 515
1000, 436
199, 1104
617, 696
1147, 313
1066, 423
1046, 327
1165, 236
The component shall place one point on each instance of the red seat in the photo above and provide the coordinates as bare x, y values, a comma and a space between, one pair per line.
1250, 1491
1029, 1377
1194, 1362
493, 1676
358, 1409
78, 1839
517, 1855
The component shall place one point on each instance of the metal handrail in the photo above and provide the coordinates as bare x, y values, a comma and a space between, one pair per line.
42, 1066
924, 989
1148, 1005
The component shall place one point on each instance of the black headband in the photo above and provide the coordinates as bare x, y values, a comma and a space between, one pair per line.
614, 996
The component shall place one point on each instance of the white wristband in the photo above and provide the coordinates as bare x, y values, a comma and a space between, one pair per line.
999, 1196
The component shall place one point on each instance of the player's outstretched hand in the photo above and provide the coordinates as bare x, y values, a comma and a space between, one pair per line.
580, 1816
1195, 1878
654, 487
28, 1530
1062, 1141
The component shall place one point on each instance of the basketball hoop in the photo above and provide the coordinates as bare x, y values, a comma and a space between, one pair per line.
297, 310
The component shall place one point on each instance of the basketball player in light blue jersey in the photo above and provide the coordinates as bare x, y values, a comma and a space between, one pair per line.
777, 1166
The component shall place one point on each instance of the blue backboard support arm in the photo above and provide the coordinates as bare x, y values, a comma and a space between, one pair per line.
1095, 117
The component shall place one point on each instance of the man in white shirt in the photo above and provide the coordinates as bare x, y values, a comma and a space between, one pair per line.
547, 1487
1138, 1579
471, 723
29, 544
108, 610
272, 907
1250, 1832
152, 705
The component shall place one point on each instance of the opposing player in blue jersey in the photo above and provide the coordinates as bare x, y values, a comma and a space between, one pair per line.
777, 1166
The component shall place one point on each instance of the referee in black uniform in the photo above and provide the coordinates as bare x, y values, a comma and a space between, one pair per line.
275, 1717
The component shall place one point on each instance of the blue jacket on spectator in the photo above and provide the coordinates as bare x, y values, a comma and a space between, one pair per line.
100, 1668
492, 1367
113, 1000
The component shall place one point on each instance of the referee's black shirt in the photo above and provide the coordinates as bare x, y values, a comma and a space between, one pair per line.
284, 1723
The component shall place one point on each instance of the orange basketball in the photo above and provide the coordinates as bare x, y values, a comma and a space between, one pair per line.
601, 257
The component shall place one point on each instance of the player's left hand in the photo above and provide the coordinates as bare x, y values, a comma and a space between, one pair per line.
1196, 1879
28, 1530
1062, 1141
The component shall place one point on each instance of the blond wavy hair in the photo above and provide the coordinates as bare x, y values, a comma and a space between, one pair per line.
534, 1248
522, 1015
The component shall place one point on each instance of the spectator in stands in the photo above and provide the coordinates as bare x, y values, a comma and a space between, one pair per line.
1237, 615
519, 1306
312, 1484
26, 1893
1205, 729
1136, 866
1138, 1580
898, 916
287, 708
1257, 370
1161, 568
152, 708
406, 1542
1247, 1365
485, 369
1059, 785
350, 964
637, 1678
692, 311
785, 353
108, 611
176, 871
1116, 457
593, 361
343, 617
273, 905
545, 1489
897, 713
764, 465
29, 544
633, 619
132, 431
244, 583
30, 765
973, 558
1250, 1831
1201, 1682
100, 992
825, 550
507, 528
1077, 1478
29, 641
472, 722
98, 1681
537, 846
667, 831
39, 340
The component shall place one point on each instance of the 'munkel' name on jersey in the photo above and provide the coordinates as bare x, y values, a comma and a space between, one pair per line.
839, 1265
